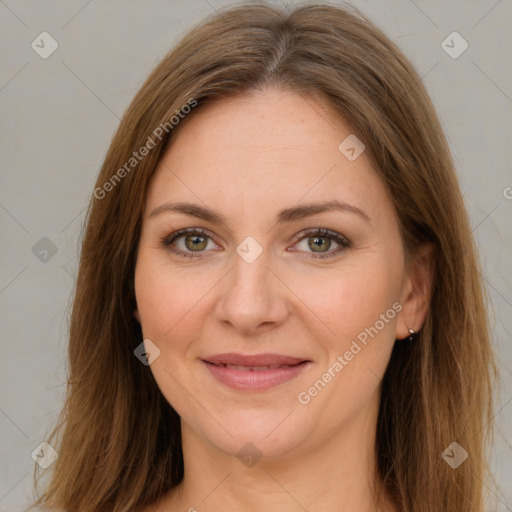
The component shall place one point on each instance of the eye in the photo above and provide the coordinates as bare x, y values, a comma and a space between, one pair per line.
191, 242
186, 242
321, 240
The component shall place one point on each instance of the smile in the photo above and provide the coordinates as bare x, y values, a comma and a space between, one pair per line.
254, 373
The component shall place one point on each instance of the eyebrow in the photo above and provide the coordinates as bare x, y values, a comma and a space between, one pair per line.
286, 215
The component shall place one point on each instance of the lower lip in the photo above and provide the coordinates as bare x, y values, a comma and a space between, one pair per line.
257, 380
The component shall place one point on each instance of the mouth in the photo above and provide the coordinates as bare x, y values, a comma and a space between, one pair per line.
256, 372
253, 368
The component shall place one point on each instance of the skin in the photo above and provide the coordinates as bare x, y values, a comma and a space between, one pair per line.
247, 158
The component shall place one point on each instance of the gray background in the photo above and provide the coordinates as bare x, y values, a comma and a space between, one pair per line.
59, 114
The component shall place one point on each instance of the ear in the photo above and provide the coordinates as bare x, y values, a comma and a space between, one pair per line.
136, 314
416, 292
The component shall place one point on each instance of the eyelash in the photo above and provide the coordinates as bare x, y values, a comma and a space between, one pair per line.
323, 233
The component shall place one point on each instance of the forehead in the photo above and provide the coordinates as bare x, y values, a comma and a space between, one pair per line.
263, 149
264, 121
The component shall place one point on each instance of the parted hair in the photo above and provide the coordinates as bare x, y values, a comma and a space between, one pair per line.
118, 439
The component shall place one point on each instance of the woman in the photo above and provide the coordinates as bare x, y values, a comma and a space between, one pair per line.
278, 304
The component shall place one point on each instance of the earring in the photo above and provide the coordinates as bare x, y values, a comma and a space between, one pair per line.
411, 332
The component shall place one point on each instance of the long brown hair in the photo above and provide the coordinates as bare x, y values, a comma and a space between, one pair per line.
117, 437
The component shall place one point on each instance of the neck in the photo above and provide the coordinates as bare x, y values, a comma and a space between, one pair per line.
336, 473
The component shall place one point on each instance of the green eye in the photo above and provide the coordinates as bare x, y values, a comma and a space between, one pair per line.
319, 241
318, 244
195, 242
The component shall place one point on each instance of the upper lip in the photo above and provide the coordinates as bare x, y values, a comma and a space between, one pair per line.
253, 360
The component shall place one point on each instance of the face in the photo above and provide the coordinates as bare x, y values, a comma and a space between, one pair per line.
262, 301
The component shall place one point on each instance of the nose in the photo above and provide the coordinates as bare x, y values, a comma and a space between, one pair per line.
253, 297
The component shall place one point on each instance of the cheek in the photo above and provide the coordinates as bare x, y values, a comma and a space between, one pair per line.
359, 307
352, 299
168, 298
156, 292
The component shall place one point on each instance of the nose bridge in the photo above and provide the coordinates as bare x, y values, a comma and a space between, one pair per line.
250, 280
251, 295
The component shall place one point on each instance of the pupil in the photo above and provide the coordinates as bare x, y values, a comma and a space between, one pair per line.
197, 241
317, 243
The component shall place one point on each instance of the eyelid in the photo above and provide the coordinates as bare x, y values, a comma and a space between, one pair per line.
167, 239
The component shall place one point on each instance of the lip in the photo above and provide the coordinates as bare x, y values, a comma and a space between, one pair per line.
245, 372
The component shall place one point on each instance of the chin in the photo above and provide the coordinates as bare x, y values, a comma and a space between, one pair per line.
268, 434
